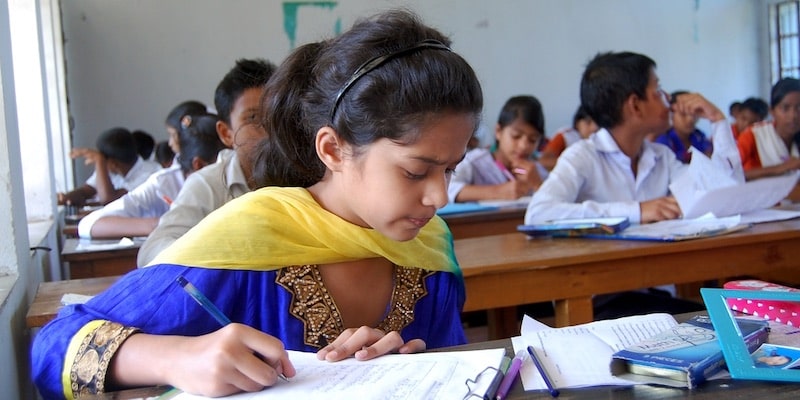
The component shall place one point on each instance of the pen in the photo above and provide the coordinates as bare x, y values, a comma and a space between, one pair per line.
546, 378
207, 305
498, 378
511, 376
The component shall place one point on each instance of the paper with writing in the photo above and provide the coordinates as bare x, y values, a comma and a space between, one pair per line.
394, 376
579, 356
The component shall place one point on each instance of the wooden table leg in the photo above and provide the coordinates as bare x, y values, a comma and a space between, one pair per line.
502, 323
574, 311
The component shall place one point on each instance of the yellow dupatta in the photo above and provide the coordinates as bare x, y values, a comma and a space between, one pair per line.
274, 227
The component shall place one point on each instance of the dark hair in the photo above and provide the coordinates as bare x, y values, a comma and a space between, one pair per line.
189, 107
246, 74
580, 114
199, 138
118, 144
757, 106
409, 78
144, 143
527, 108
735, 106
608, 81
782, 88
673, 97
164, 153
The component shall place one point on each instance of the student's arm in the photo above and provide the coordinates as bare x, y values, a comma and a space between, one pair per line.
134, 214
76, 197
510, 190
117, 227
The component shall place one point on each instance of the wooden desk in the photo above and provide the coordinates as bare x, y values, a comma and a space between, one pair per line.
484, 223
504, 271
87, 263
47, 301
712, 390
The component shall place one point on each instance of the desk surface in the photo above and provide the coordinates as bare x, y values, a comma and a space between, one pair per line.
725, 388
510, 269
47, 301
483, 223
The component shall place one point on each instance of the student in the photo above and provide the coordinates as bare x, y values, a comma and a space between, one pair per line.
733, 112
374, 148
616, 172
582, 127
173, 121
236, 99
507, 171
684, 134
144, 143
751, 111
770, 148
164, 154
117, 169
137, 212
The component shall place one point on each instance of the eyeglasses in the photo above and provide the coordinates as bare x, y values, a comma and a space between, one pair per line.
476, 387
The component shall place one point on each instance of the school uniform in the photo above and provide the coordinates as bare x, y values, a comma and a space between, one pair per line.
148, 200
480, 168
137, 175
697, 139
760, 146
203, 192
563, 138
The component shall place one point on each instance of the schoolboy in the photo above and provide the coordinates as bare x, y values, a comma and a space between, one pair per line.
617, 172
237, 99
117, 169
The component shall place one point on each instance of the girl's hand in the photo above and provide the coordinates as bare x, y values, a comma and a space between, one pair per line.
233, 359
527, 171
366, 343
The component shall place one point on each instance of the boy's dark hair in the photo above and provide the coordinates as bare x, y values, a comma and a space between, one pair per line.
199, 138
735, 106
411, 79
782, 88
144, 143
608, 81
164, 153
527, 108
757, 106
246, 74
118, 144
188, 107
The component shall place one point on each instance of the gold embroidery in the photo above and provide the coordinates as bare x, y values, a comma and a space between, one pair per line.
88, 371
322, 323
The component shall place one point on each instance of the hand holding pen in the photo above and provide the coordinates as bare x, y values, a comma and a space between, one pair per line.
232, 359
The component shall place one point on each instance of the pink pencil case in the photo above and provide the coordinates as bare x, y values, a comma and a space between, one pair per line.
785, 312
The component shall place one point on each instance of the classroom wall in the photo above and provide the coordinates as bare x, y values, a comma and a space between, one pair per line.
128, 63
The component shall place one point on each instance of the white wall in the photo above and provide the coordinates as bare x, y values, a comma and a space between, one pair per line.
128, 63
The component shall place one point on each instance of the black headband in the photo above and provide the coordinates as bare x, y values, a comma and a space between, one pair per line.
376, 62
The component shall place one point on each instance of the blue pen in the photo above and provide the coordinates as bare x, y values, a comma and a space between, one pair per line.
546, 378
511, 376
207, 305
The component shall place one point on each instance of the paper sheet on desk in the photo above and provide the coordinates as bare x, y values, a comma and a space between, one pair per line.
709, 187
98, 246
394, 376
579, 356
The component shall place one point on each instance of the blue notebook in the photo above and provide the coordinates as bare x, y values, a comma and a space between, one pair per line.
463, 208
584, 227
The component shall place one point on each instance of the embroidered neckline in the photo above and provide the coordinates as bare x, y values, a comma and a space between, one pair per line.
322, 322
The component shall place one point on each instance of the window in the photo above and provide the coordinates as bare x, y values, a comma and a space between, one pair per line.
784, 31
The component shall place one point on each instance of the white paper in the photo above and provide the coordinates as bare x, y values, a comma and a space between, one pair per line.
580, 355
95, 245
676, 229
394, 376
521, 202
768, 215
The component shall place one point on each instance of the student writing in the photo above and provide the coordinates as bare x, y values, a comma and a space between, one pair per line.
236, 99
137, 212
351, 261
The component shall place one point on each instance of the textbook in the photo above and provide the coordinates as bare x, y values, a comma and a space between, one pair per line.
683, 356
576, 227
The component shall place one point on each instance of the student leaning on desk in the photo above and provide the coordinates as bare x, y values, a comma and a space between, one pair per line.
616, 172
370, 162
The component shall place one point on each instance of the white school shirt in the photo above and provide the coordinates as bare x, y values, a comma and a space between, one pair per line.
150, 199
479, 168
204, 191
593, 178
137, 175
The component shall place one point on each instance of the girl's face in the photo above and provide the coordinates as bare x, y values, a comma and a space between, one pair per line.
516, 141
396, 188
786, 115
173, 140
586, 127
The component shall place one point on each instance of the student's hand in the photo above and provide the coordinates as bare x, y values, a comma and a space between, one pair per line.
513, 189
659, 209
697, 105
527, 171
791, 164
90, 156
233, 359
366, 343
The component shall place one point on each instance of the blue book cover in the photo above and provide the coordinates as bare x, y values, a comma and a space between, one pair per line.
684, 356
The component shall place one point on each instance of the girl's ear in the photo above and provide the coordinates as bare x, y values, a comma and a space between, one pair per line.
329, 148
225, 134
